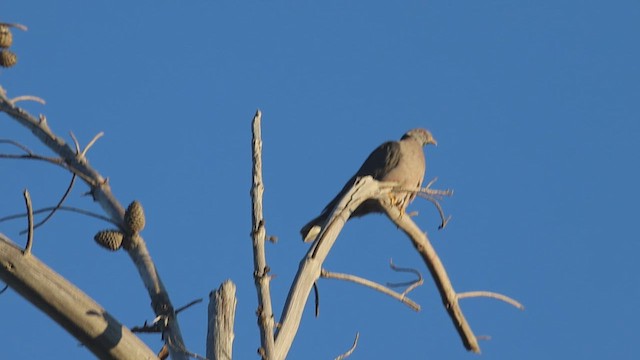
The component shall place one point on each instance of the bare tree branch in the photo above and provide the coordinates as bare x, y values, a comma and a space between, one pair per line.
101, 192
222, 312
259, 234
309, 269
80, 315
438, 272
368, 283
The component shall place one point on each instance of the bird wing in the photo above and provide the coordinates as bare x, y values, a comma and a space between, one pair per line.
382, 160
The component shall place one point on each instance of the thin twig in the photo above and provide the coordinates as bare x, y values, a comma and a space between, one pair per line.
410, 285
90, 144
52, 160
63, 208
27, 200
4, 288
350, 351
368, 283
185, 307
493, 295
28, 98
397, 268
29, 154
444, 220
16, 144
75, 142
15, 25
64, 196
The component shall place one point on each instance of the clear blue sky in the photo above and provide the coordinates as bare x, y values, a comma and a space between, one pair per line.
535, 106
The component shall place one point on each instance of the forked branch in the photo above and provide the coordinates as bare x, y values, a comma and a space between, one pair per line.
436, 268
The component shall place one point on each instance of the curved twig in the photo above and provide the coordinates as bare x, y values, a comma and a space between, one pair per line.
75, 142
432, 195
53, 211
16, 144
371, 284
397, 268
27, 200
350, 351
28, 98
4, 288
493, 295
411, 285
443, 220
90, 144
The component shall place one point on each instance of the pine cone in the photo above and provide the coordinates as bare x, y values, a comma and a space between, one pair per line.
134, 217
109, 239
7, 58
6, 38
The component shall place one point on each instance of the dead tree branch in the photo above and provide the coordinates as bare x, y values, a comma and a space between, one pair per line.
77, 163
438, 272
222, 312
259, 234
310, 266
375, 286
80, 315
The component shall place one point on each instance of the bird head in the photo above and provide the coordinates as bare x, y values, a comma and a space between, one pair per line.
423, 136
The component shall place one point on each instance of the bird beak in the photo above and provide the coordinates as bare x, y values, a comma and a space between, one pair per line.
433, 141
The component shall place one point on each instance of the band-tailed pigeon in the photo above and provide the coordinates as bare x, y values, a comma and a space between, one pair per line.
398, 161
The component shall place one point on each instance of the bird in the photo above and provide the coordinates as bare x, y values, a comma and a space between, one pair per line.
400, 161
